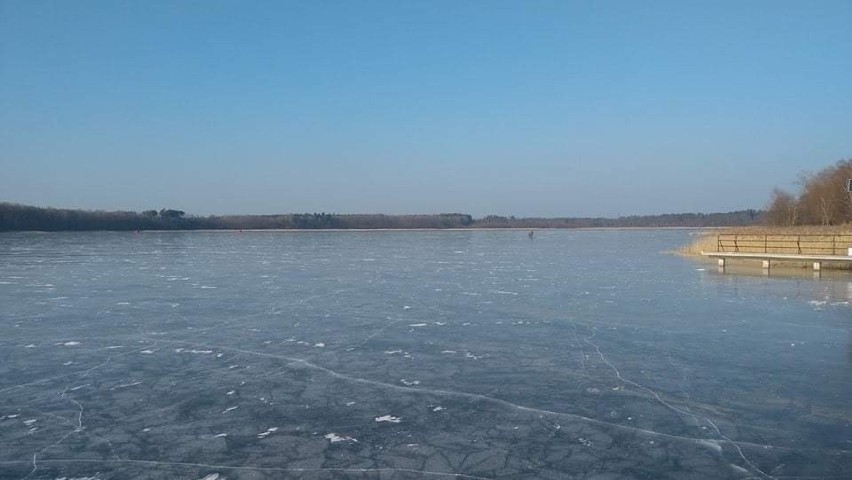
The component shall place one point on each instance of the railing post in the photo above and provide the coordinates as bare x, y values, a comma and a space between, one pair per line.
764, 243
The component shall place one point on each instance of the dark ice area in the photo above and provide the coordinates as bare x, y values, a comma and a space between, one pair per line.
402, 355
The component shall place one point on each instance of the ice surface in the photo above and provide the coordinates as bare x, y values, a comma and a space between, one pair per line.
567, 357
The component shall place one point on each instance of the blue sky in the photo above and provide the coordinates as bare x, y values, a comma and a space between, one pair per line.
527, 108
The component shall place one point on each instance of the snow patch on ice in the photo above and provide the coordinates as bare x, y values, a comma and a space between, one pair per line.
388, 418
268, 432
334, 438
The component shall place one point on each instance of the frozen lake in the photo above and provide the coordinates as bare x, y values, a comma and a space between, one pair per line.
400, 355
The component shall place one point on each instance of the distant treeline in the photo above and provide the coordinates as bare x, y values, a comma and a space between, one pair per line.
14, 217
824, 199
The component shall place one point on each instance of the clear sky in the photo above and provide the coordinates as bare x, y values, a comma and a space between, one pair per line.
526, 108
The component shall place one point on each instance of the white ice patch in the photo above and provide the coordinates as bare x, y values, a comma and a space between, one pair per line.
388, 418
213, 476
231, 392
221, 435
230, 409
417, 325
449, 352
711, 444
147, 352
409, 383
438, 409
30, 422
181, 350
319, 345
268, 432
123, 303
398, 352
334, 438
71, 344
30, 346
125, 385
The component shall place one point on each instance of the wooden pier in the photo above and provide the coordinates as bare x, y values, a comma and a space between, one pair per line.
812, 248
817, 260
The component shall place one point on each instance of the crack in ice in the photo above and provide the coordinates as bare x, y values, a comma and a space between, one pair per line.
677, 410
253, 469
453, 393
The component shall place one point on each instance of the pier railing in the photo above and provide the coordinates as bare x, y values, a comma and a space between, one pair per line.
805, 244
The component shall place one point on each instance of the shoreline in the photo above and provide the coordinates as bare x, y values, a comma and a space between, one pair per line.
362, 230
